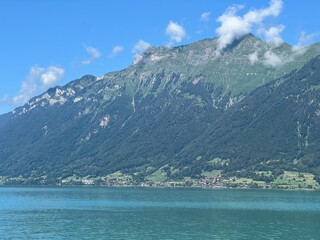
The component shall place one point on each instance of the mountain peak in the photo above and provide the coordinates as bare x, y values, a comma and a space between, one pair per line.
205, 49
143, 119
234, 69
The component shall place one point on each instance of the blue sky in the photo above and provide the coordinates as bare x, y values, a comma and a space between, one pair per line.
47, 43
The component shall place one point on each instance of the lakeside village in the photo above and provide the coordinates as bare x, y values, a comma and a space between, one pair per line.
290, 181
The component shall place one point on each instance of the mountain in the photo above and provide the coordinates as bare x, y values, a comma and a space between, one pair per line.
172, 111
4, 118
275, 127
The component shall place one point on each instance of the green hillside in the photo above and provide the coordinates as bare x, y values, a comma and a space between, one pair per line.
179, 113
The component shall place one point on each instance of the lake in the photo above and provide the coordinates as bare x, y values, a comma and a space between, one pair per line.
151, 213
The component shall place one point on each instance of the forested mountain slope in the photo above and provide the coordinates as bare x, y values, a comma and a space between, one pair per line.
176, 108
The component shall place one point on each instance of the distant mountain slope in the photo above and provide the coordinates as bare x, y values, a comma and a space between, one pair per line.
275, 126
172, 107
4, 119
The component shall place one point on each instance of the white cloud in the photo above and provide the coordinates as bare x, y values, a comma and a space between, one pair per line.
93, 54
5, 99
304, 41
272, 59
51, 76
140, 47
253, 58
86, 62
117, 50
272, 35
176, 32
234, 26
38, 79
205, 17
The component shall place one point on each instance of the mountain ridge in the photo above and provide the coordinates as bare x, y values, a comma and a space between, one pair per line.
146, 56
151, 116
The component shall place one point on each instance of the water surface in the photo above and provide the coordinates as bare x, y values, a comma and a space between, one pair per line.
148, 213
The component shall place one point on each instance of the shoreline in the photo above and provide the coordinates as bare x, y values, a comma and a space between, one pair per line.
155, 187
289, 181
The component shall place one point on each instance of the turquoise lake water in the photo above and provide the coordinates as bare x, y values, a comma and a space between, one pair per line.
147, 213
